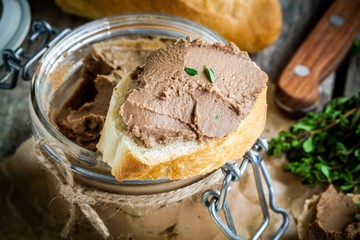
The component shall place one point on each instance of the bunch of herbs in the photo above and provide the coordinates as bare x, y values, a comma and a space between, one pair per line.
324, 147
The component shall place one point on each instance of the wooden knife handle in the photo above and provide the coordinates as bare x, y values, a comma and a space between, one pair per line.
320, 54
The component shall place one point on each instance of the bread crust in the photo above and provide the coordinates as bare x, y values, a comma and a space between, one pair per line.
202, 161
252, 25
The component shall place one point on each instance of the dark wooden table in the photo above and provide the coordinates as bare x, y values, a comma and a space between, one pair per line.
299, 17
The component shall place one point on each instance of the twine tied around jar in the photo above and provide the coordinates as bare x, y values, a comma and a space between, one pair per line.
61, 171
83, 199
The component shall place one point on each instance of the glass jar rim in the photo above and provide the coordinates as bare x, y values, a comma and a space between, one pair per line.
87, 31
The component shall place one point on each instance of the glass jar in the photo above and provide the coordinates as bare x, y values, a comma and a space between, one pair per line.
184, 219
69, 53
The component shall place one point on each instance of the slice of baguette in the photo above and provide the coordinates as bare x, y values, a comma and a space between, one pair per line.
182, 158
252, 25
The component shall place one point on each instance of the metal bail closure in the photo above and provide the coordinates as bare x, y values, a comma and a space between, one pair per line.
215, 200
18, 61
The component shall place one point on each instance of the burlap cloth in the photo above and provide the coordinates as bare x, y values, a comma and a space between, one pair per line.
27, 197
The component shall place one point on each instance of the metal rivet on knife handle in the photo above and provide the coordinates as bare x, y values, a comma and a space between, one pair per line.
301, 70
337, 20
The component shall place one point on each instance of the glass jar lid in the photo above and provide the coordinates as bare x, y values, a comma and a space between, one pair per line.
15, 20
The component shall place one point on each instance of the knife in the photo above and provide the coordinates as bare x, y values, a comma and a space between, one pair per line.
321, 53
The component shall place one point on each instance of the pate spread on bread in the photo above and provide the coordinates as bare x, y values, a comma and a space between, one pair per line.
82, 116
165, 123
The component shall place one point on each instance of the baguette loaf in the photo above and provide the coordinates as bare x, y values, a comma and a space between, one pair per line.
252, 25
219, 130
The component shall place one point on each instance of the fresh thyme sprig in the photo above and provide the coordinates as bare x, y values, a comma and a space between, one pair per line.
324, 147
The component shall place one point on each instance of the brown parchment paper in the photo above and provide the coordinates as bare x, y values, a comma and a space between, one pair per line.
26, 202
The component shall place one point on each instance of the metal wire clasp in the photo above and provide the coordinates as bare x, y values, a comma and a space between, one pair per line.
215, 200
18, 61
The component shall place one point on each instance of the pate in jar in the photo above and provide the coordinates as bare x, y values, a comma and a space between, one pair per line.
111, 48
70, 95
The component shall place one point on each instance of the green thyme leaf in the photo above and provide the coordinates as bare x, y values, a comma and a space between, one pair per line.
356, 46
325, 170
346, 188
324, 147
301, 126
357, 205
308, 145
191, 71
210, 74
217, 117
